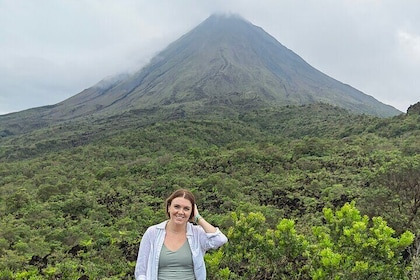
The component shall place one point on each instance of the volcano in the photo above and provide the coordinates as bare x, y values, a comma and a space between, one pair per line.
224, 61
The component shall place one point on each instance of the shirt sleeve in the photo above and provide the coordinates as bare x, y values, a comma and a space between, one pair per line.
212, 240
143, 256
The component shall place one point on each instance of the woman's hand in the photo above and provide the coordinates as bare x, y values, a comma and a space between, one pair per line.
195, 211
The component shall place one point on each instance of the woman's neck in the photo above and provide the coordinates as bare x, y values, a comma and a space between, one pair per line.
174, 228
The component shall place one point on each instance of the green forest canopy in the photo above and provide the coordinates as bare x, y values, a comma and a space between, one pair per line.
306, 192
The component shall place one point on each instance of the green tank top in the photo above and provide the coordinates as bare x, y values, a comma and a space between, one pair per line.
176, 265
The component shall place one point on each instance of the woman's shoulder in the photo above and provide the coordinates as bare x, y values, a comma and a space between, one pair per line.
154, 228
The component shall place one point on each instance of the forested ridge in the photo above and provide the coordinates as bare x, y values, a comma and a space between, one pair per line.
302, 192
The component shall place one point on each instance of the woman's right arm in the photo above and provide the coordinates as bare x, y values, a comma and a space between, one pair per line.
143, 256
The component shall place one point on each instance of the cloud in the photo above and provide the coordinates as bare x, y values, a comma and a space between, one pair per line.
409, 44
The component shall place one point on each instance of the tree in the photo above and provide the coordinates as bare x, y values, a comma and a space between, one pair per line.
350, 246
347, 246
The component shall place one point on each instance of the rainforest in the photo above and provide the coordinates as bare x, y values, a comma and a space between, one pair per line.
302, 192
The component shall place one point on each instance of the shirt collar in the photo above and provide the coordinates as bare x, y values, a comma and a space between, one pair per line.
162, 226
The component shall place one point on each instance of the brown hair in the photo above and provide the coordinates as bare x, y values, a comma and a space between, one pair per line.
184, 194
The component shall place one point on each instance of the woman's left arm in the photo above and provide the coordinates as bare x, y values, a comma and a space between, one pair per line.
208, 228
214, 237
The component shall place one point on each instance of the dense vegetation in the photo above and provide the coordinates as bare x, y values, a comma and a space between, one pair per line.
308, 192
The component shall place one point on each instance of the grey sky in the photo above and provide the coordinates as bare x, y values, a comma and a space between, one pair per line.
53, 49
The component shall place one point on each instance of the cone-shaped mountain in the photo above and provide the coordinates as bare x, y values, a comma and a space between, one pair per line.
225, 60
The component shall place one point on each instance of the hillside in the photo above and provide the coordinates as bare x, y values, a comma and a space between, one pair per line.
288, 121
75, 198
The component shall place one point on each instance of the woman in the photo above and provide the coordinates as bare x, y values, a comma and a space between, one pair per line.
175, 248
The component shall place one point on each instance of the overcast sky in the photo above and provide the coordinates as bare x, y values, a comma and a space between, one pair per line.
53, 49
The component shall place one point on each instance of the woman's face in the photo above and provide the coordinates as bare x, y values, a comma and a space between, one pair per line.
180, 210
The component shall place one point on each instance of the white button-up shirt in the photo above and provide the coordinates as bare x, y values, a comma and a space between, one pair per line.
152, 242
